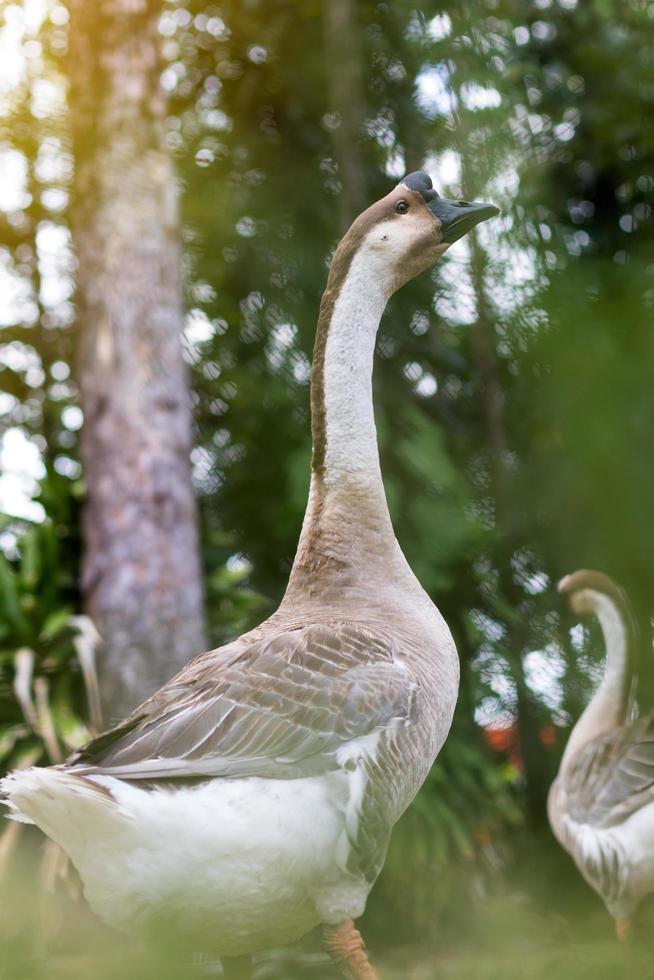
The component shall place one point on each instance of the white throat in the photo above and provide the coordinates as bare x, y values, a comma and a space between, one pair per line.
351, 436
615, 640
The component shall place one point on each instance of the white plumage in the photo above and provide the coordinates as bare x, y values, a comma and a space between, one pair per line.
250, 863
601, 805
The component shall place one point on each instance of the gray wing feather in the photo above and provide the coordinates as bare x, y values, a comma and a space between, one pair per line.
275, 707
600, 857
612, 776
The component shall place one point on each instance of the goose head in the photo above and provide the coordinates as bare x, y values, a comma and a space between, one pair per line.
595, 594
408, 230
587, 590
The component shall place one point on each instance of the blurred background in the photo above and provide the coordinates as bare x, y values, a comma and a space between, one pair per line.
185, 169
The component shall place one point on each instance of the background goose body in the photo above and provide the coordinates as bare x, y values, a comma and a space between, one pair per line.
253, 796
601, 805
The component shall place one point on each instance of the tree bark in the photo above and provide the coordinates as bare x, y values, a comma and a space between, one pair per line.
483, 346
141, 574
345, 91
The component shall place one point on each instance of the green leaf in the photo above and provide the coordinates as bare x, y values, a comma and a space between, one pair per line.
30, 561
55, 622
10, 606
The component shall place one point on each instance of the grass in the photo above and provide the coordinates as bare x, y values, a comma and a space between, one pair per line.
553, 929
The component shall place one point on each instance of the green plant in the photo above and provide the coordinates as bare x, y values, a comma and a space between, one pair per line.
48, 682
45, 664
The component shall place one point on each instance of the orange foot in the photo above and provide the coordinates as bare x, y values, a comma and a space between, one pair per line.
623, 929
346, 947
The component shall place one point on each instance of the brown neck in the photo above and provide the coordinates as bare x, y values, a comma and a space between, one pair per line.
347, 532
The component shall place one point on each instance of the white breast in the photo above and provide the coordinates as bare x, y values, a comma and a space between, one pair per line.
637, 838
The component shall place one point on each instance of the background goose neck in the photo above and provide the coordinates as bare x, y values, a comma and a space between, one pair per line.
608, 708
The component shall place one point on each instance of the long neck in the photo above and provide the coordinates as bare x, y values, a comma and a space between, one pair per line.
342, 417
347, 536
607, 709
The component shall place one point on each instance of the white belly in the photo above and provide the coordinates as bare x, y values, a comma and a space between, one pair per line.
236, 865
637, 837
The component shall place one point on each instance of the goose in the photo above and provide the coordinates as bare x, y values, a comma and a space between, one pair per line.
251, 799
601, 804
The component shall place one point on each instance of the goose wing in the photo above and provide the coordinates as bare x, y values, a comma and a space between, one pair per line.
612, 776
291, 704
607, 781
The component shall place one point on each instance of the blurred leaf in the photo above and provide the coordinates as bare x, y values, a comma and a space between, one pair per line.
54, 623
10, 599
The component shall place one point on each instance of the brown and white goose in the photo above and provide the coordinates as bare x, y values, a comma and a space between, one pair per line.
601, 805
253, 796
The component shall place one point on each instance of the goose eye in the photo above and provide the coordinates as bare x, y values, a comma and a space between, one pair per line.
401, 207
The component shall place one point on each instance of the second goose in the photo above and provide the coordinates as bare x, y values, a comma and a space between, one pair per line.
601, 805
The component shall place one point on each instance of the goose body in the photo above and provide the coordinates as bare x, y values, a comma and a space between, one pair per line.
247, 864
601, 805
253, 796
296, 851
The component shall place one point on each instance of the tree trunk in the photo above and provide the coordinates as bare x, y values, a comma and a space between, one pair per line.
483, 341
141, 575
346, 102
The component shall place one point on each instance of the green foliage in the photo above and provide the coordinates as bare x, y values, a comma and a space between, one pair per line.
452, 839
232, 604
504, 933
40, 716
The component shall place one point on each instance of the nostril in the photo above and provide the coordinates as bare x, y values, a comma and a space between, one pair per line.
463, 204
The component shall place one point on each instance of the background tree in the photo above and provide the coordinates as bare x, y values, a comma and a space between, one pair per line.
141, 572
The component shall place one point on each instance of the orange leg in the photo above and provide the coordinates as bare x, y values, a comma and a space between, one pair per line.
623, 929
346, 947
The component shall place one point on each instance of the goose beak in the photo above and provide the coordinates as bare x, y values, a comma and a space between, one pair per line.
458, 217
